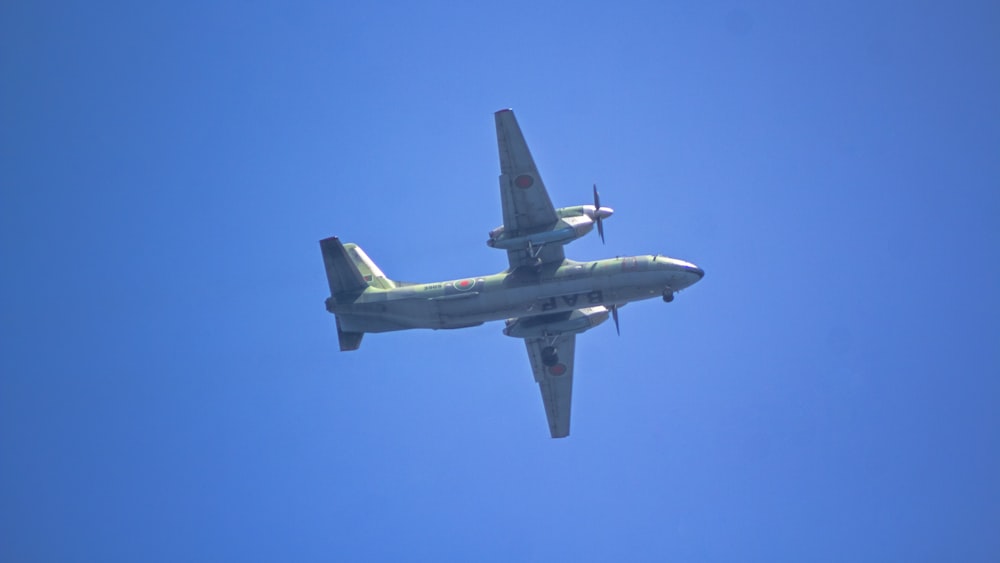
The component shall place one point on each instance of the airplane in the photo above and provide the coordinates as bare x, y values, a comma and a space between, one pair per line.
543, 297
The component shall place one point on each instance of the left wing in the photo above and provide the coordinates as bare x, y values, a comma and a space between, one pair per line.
527, 208
554, 377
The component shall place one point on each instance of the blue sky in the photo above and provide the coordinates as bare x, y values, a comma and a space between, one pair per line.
170, 385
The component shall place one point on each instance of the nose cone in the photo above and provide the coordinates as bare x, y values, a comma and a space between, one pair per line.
683, 274
691, 274
605, 212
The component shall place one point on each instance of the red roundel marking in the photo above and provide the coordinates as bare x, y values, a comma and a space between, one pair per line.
463, 285
557, 369
524, 181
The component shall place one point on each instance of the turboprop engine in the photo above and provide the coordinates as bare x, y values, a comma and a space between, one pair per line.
573, 223
542, 326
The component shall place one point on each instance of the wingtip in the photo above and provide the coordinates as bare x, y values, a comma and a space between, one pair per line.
504, 110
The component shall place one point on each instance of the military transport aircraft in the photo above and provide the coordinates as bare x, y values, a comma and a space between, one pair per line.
545, 298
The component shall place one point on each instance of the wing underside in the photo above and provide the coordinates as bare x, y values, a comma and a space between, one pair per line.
527, 208
554, 377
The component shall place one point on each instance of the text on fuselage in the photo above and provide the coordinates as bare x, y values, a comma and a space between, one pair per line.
595, 297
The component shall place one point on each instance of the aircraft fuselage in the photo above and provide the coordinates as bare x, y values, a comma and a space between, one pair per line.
522, 293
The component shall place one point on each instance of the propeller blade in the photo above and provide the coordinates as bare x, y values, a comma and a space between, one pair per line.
614, 316
597, 213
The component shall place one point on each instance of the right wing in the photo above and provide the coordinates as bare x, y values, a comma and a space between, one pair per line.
527, 208
556, 380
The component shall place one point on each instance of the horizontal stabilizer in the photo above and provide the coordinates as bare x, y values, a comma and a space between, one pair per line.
348, 340
341, 272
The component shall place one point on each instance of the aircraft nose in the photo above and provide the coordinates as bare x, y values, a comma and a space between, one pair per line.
682, 274
692, 274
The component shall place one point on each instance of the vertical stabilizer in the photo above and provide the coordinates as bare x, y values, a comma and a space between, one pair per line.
343, 276
347, 283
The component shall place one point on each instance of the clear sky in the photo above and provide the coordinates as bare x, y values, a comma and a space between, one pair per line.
170, 384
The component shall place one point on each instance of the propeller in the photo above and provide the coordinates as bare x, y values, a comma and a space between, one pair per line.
600, 213
600, 224
614, 316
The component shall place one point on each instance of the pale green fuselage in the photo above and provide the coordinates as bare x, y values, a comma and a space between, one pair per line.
556, 288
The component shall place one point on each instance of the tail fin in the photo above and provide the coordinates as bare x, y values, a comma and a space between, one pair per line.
349, 272
346, 284
343, 276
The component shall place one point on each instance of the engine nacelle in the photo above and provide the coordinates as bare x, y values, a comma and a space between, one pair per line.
574, 222
562, 234
539, 327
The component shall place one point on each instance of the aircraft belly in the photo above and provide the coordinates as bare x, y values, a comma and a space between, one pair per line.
591, 291
556, 296
633, 288
370, 323
392, 315
500, 302
484, 307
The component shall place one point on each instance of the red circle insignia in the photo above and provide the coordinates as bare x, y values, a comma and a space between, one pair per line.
558, 369
464, 285
524, 181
